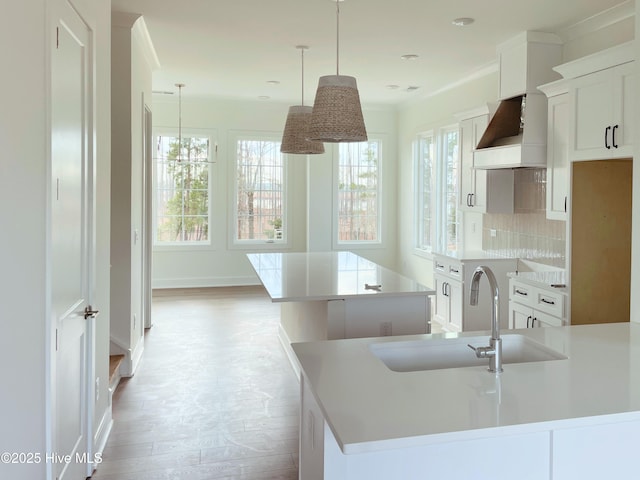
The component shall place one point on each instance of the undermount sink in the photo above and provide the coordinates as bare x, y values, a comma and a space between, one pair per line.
434, 354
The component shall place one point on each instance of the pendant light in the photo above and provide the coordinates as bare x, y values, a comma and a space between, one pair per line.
337, 114
295, 137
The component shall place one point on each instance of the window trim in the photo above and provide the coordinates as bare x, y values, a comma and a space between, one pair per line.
360, 244
257, 245
211, 134
418, 209
439, 235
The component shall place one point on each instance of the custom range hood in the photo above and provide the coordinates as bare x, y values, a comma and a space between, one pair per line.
517, 133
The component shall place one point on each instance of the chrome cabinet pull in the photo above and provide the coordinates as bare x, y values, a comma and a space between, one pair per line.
613, 136
606, 138
521, 292
548, 302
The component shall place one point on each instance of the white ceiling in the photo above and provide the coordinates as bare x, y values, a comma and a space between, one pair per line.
234, 48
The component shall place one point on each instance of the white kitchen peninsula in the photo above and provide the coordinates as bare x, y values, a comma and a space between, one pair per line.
562, 419
333, 295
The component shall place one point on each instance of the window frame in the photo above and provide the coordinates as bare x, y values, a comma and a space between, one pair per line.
441, 225
418, 169
380, 191
257, 244
212, 176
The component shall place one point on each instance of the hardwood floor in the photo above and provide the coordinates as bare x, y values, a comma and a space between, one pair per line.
214, 396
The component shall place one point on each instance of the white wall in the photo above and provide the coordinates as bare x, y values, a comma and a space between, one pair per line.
25, 330
131, 89
222, 263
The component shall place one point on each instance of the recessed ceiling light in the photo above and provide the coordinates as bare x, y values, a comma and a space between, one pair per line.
409, 56
412, 88
393, 87
463, 21
273, 82
264, 97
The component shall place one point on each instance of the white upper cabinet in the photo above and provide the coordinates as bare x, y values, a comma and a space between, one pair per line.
601, 100
602, 119
557, 149
481, 191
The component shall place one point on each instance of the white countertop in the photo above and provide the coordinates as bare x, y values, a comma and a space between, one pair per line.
369, 407
549, 278
310, 276
472, 255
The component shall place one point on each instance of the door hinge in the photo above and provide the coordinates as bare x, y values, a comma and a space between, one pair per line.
57, 37
56, 339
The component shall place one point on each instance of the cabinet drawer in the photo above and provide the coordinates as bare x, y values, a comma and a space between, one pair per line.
522, 293
549, 302
449, 267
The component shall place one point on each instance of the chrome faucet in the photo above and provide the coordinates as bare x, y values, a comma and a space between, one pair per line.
494, 351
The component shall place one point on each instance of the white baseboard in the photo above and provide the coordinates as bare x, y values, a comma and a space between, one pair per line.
204, 282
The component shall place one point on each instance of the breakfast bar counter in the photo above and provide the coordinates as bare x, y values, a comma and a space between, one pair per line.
334, 295
381, 408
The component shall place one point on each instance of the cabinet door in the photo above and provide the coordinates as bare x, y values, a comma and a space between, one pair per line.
624, 87
441, 308
471, 180
520, 316
558, 157
311, 435
455, 306
592, 115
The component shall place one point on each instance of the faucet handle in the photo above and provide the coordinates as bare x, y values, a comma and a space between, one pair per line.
482, 352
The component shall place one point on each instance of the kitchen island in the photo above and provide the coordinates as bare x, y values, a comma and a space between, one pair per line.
576, 416
335, 295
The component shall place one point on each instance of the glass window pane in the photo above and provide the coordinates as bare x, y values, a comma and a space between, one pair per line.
359, 192
450, 160
425, 149
182, 189
259, 191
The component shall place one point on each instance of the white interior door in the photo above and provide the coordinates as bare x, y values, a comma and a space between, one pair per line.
71, 247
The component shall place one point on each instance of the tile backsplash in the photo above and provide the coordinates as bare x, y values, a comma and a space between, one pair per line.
527, 233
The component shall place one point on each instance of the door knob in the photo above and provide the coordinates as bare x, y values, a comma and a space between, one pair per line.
90, 313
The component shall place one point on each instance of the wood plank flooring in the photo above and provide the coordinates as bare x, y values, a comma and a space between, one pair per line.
214, 396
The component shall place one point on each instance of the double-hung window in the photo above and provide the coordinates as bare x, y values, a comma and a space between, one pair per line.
260, 190
436, 171
358, 192
181, 204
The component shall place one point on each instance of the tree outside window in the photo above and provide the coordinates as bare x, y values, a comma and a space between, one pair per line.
182, 190
359, 192
259, 191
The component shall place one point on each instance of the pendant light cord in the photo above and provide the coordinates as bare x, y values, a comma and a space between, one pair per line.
337, 37
179, 85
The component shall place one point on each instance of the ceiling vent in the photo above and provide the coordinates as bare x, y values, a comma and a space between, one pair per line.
517, 133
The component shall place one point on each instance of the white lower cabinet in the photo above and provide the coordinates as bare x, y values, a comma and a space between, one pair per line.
535, 306
452, 281
593, 452
311, 461
596, 452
